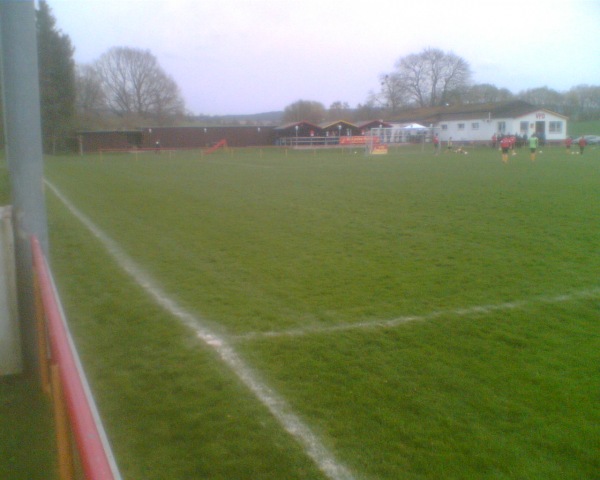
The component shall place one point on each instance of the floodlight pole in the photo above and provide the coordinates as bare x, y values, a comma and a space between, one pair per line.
23, 135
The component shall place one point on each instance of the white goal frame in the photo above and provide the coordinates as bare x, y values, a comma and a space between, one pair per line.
377, 139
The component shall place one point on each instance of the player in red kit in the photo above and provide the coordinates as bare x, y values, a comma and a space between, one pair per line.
582, 143
505, 145
568, 143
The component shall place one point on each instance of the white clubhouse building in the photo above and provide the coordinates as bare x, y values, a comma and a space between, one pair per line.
479, 123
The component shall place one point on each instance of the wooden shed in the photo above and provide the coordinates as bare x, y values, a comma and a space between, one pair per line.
299, 130
340, 128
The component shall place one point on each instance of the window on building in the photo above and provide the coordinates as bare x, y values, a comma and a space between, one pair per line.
475, 126
461, 126
555, 127
444, 127
501, 127
524, 126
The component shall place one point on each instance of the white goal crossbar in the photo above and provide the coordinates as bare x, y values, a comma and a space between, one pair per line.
380, 139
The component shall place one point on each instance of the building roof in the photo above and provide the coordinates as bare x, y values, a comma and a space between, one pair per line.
429, 115
293, 124
366, 123
329, 124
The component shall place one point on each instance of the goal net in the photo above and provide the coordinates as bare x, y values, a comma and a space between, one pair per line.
378, 141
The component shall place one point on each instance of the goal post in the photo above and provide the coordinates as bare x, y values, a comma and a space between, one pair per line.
378, 141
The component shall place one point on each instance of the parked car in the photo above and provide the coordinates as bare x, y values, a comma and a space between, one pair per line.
592, 139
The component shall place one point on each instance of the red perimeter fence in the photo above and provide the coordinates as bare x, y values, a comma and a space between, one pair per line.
76, 417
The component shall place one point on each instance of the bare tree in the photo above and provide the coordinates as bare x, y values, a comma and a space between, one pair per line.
339, 110
432, 77
542, 96
583, 102
393, 94
135, 85
368, 110
486, 93
90, 100
308, 110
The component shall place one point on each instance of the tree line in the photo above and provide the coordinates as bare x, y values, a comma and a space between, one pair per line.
127, 88
434, 78
124, 88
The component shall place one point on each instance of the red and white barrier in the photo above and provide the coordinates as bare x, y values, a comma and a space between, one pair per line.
71, 392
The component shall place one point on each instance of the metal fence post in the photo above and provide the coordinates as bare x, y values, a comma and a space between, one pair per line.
22, 124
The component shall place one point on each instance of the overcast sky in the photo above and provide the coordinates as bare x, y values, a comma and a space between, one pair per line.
253, 56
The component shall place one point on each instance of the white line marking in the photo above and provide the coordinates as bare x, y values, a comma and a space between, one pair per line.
278, 407
459, 312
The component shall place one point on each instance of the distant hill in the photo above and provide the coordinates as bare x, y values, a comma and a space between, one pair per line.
266, 118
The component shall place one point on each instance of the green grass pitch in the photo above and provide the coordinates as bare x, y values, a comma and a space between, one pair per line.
426, 316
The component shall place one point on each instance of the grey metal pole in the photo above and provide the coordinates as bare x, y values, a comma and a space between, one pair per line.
23, 134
